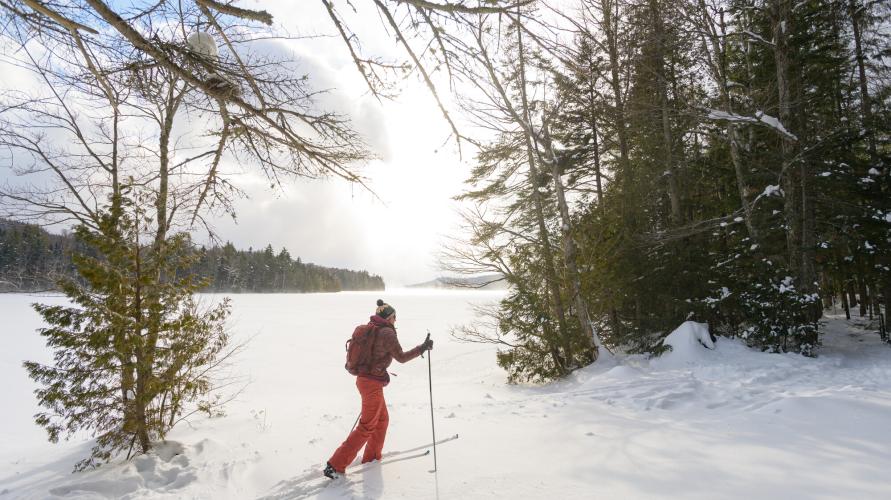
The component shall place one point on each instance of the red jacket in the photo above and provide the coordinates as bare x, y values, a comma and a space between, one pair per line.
385, 348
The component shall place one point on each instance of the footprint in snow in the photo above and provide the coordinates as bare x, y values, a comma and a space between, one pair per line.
450, 415
488, 396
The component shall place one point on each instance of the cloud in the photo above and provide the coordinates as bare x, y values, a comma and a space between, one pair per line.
395, 233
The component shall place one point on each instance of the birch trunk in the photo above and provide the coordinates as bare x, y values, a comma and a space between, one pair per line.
569, 246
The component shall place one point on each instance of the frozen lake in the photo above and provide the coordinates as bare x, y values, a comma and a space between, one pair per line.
728, 423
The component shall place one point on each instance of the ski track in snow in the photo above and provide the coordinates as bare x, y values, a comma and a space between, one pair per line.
725, 423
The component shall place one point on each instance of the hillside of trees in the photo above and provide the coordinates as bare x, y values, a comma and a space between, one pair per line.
32, 259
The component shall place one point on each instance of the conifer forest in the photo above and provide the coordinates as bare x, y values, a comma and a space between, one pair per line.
720, 161
32, 259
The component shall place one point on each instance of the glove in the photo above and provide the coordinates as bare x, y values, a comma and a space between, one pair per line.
427, 345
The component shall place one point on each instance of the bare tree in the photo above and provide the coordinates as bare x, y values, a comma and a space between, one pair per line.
103, 128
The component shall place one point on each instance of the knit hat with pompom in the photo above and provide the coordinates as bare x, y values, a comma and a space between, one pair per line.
384, 310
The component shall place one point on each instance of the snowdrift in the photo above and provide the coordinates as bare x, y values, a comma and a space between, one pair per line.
688, 344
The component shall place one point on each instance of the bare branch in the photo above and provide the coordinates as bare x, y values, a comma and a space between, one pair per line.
230, 9
461, 8
68, 24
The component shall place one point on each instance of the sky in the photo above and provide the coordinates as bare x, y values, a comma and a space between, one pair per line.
395, 231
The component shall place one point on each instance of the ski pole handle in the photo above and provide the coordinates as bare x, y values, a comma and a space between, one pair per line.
425, 341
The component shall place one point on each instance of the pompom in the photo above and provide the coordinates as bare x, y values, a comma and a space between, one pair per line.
380, 302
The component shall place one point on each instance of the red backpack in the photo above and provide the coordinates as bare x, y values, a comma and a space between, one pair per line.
359, 349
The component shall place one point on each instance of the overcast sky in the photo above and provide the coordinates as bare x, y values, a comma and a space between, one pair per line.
333, 223
396, 233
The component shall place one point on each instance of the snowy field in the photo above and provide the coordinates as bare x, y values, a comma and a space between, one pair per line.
695, 424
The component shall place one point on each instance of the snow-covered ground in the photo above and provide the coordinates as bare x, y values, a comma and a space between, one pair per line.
709, 424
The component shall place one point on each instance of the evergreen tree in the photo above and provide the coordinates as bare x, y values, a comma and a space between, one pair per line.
728, 163
133, 354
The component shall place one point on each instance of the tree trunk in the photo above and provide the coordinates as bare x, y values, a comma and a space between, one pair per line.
886, 293
592, 117
845, 303
865, 106
861, 290
553, 281
826, 291
781, 16
852, 296
662, 90
569, 246
871, 293
741, 183
140, 398
719, 48
146, 383
610, 30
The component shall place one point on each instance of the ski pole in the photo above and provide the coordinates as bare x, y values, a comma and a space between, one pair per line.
356, 422
430, 380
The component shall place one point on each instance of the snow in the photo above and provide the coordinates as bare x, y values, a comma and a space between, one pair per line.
774, 122
754, 37
771, 190
725, 292
786, 285
689, 344
760, 118
723, 422
717, 114
203, 43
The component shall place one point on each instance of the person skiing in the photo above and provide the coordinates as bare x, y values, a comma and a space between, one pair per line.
381, 348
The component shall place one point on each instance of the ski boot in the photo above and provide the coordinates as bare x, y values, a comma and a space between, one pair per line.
330, 472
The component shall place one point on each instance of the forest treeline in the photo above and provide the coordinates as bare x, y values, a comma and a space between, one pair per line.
656, 161
33, 259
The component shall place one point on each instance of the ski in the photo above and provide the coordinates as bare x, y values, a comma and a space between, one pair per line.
400, 452
312, 482
355, 469
305, 486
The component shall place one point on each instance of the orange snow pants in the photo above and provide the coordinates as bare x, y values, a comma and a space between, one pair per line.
371, 430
